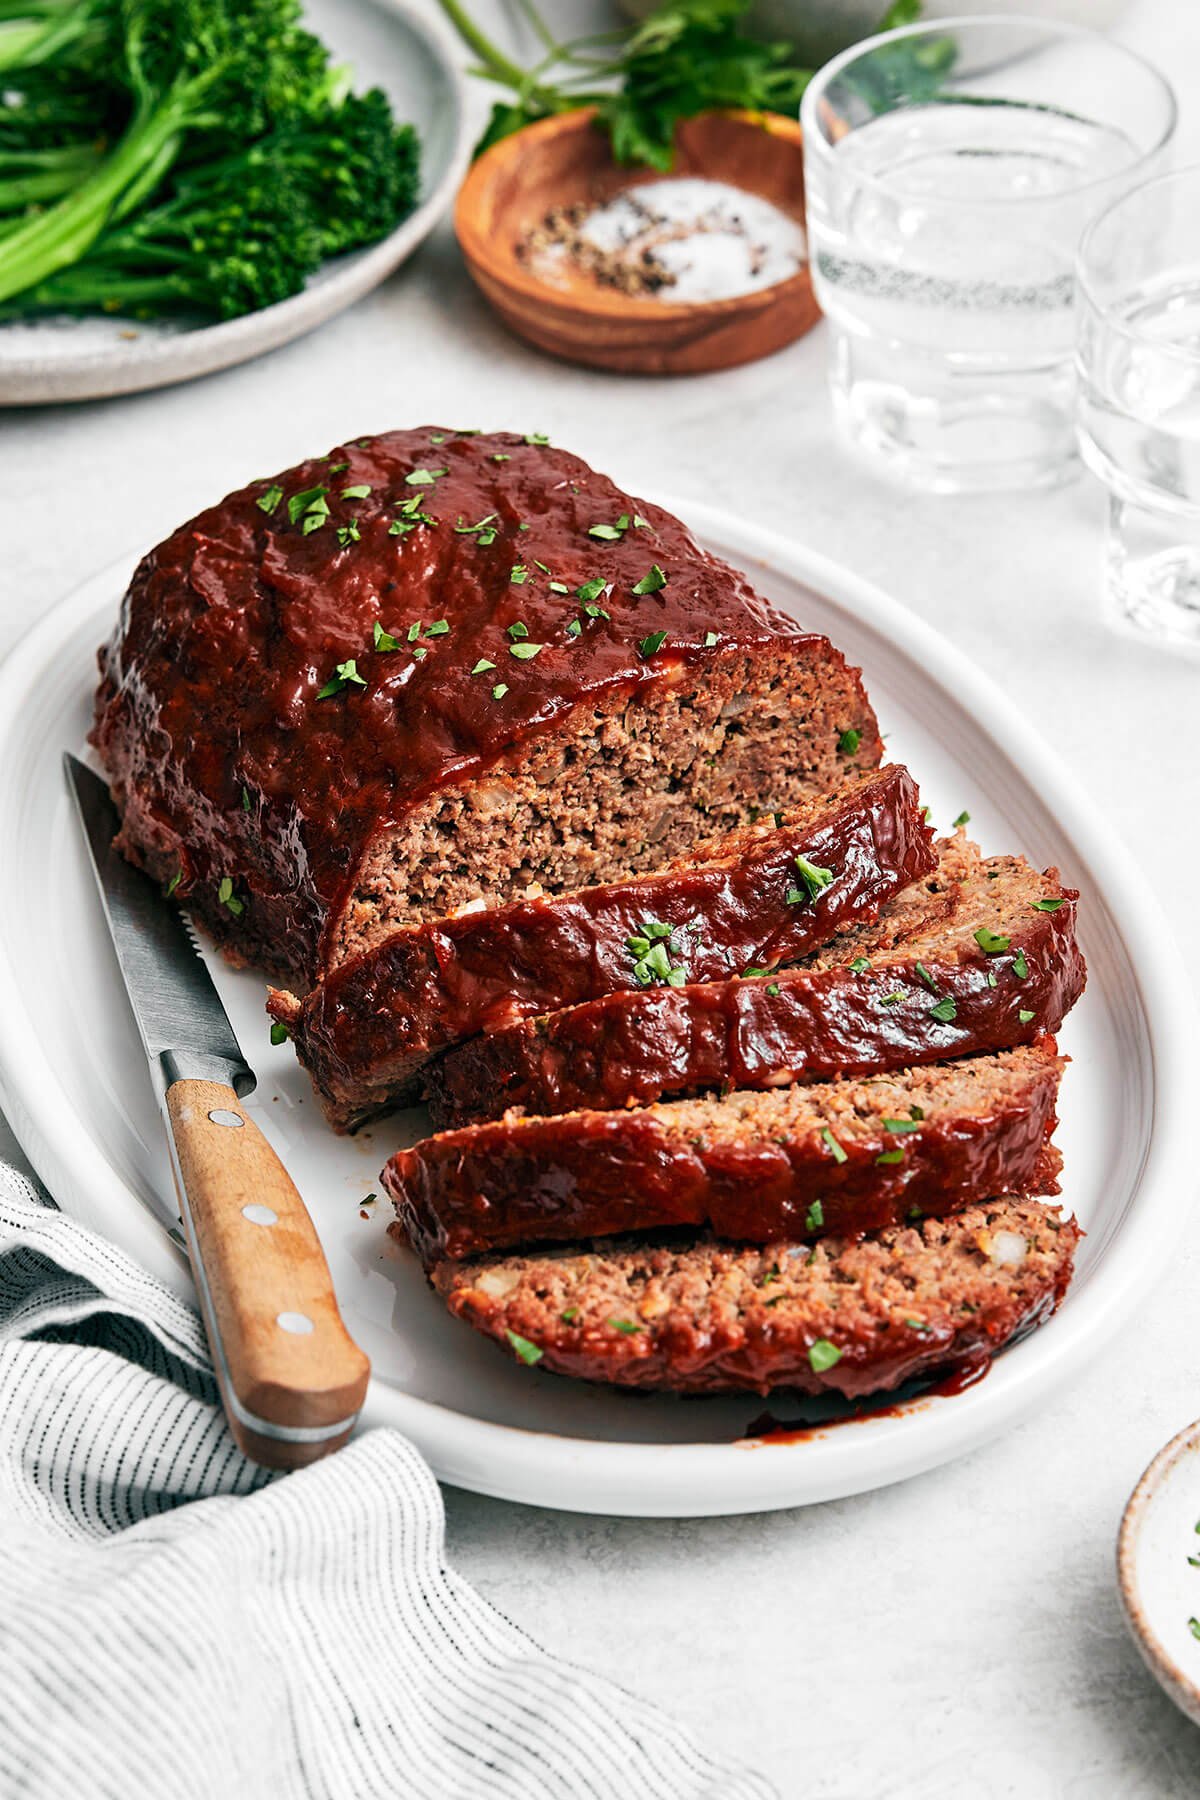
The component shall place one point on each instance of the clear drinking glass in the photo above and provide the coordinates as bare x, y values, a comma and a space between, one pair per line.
1138, 358
950, 169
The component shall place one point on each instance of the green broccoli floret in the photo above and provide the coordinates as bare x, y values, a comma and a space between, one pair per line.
191, 68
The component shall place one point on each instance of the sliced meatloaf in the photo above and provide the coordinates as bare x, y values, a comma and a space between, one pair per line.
432, 668
1003, 968
844, 1157
855, 1315
788, 1163
767, 895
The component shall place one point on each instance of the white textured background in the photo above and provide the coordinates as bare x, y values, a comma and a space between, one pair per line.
959, 1633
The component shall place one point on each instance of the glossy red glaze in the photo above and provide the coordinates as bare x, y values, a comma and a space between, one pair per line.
229, 765
629, 1049
597, 1174
366, 1030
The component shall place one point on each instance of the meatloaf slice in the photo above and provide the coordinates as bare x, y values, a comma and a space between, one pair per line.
855, 1315
764, 896
1002, 969
844, 1157
432, 668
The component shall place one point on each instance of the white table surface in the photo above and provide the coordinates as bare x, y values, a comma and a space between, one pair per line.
963, 1629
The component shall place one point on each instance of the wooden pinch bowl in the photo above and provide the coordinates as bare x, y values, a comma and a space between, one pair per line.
566, 160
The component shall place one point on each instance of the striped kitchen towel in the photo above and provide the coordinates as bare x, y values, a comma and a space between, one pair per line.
173, 1621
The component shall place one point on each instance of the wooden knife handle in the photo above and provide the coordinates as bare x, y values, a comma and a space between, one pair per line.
292, 1378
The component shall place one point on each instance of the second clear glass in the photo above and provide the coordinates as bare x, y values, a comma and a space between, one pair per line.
950, 171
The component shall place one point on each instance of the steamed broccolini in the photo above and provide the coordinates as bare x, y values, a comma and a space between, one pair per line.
182, 155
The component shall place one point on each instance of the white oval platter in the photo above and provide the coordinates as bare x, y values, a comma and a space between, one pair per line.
393, 44
73, 1085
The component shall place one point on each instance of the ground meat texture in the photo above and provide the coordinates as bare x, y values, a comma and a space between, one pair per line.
855, 1316
795, 1163
368, 1029
369, 692
997, 973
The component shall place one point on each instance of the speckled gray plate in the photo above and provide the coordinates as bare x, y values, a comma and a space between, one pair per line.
390, 44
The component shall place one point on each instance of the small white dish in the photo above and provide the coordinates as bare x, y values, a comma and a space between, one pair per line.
1158, 1569
397, 45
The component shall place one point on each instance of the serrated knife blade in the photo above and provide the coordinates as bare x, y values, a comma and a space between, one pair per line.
183, 1025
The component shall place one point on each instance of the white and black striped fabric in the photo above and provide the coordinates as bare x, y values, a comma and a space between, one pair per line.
174, 1622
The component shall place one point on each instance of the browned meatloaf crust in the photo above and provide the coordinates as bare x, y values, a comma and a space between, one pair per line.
432, 668
856, 1315
366, 1031
1004, 968
800, 1162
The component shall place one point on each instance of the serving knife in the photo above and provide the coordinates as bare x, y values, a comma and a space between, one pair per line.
292, 1379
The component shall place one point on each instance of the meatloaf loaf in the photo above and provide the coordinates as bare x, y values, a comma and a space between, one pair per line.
764, 896
433, 667
1002, 969
855, 1315
841, 1158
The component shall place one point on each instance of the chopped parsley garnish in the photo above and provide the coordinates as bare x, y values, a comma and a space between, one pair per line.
483, 530
890, 1156
309, 500
628, 1326
518, 574
925, 976
420, 654
831, 1143
991, 942
610, 533
574, 628
944, 1011
773, 990
498, 458
347, 674
499, 691
1194, 1627
814, 1218
893, 998
279, 1032
748, 974
849, 741
651, 581
174, 882
358, 492
858, 965
348, 534
518, 630
596, 612
245, 799
822, 1355
710, 638
559, 587
899, 1126
1049, 905
439, 628
1020, 967
525, 652
652, 946
227, 897
1025, 1016
537, 437
270, 500
414, 631
423, 477
991, 977
592, 590
384, 640
481, 665
813, 878
569, 1317
964, 818
528, 1353
338, 468
650, 644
